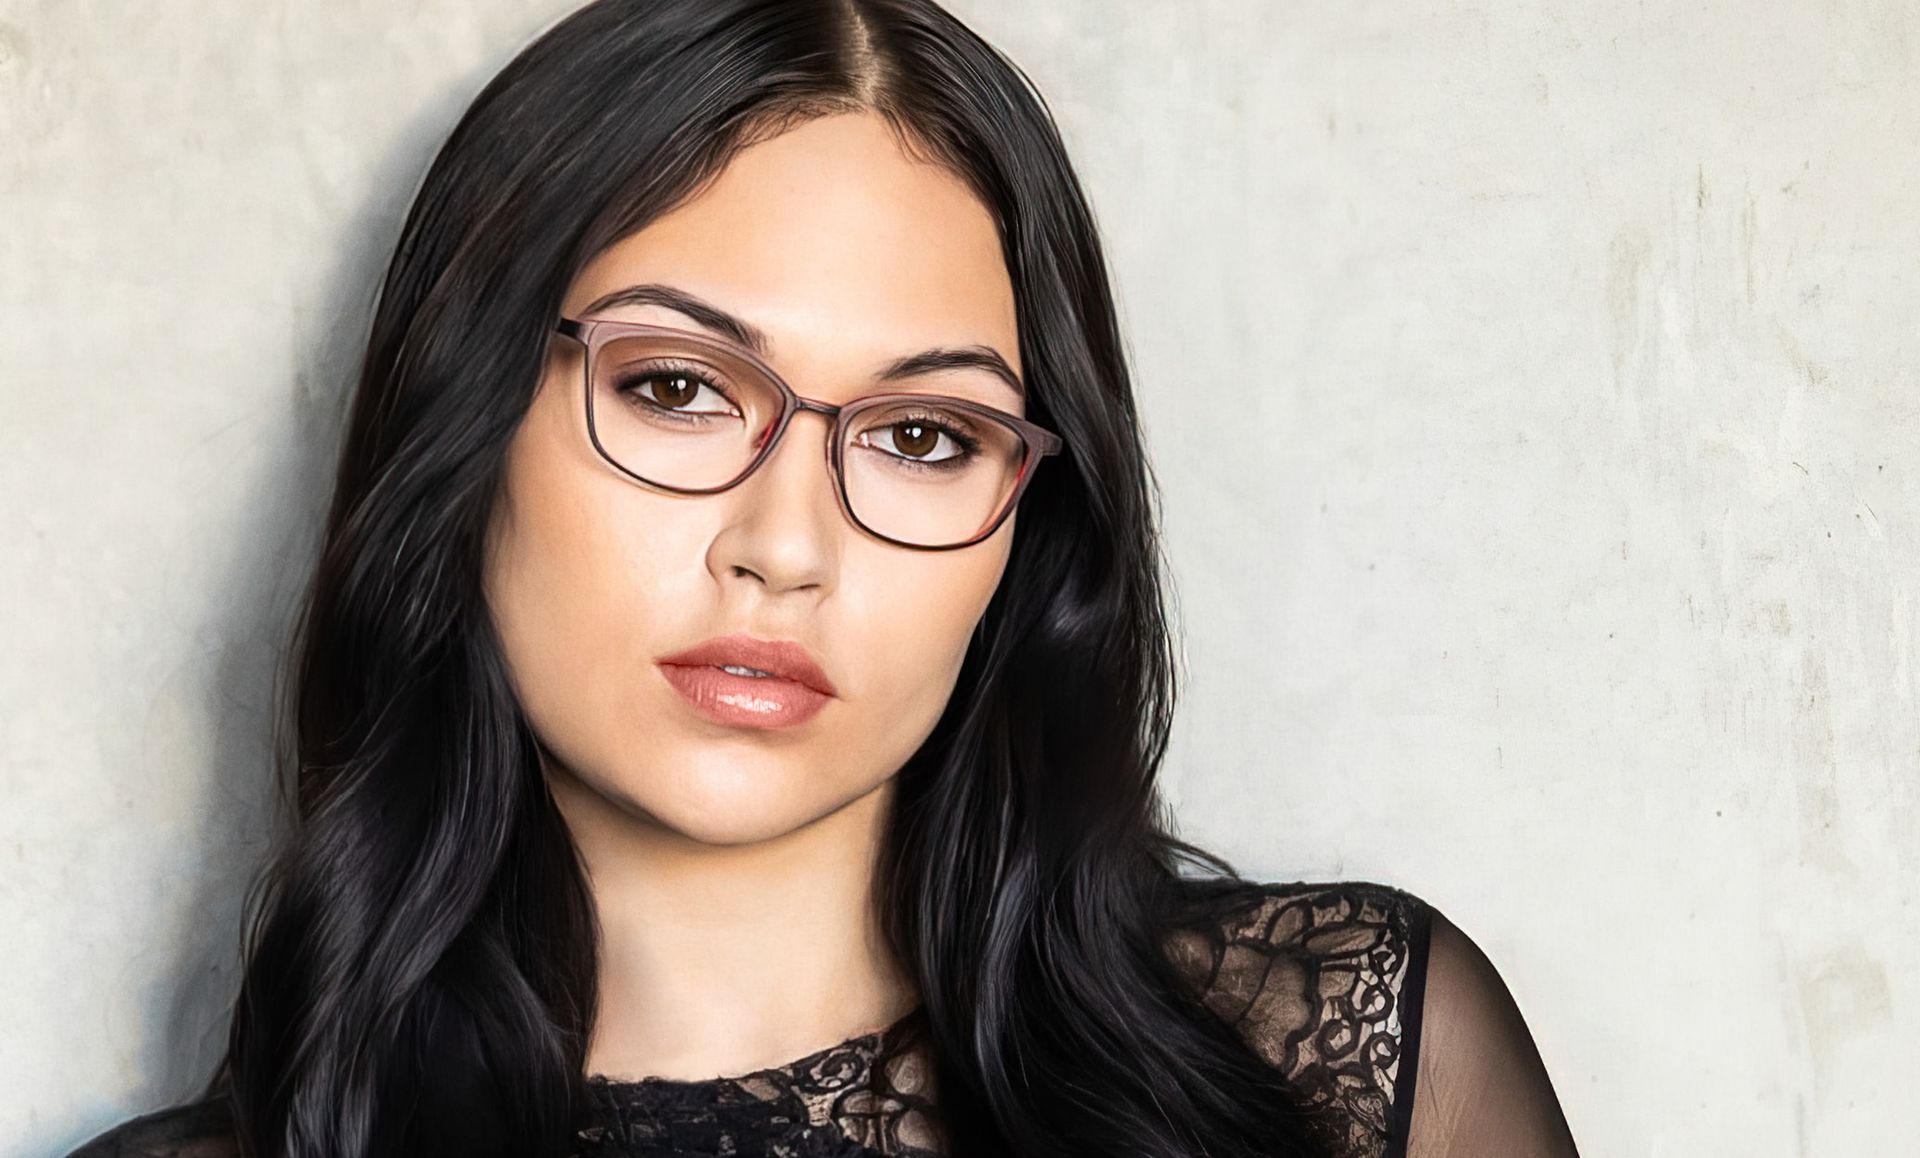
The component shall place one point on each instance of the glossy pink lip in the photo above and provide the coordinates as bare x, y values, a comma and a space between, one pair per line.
793, 693
781, 657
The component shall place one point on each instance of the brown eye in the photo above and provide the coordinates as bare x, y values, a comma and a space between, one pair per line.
673, 391
670, 390
915, 439
937, 441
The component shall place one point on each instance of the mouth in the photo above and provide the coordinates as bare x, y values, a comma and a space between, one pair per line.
725, 696
741, 681
747, 657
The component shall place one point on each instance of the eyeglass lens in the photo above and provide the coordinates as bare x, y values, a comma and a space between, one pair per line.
929, 474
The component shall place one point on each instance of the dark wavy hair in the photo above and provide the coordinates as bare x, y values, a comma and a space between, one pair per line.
421, 952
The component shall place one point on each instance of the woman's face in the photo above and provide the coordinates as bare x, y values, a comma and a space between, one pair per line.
847, 255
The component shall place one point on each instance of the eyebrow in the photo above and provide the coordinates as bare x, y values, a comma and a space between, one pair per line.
745, 333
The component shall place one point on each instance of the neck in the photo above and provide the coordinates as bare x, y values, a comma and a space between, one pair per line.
723, 959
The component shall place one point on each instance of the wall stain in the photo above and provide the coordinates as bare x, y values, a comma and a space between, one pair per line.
1772, 618
1746, 244
13, 47
1816, 780
1811, 371
1842, 994
1626, 278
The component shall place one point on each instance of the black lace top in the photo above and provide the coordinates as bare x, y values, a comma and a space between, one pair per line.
1326, 981
1313, 976
868, 1095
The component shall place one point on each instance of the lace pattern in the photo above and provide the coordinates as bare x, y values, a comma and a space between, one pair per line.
1312, 976
869, 1095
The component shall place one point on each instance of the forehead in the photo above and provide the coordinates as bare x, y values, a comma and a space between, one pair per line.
838, 245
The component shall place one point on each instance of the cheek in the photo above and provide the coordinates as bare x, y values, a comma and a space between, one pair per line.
579, 563
915, 621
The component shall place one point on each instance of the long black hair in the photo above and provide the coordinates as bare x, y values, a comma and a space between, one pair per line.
421, 953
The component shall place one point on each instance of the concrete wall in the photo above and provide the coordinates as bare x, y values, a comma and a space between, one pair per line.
1532, 388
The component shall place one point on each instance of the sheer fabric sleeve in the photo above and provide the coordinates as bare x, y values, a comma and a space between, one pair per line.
1482, 1090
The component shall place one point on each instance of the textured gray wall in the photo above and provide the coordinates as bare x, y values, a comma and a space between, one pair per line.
1532, 390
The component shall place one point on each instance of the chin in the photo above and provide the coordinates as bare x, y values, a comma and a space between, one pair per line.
721, 826
728, 803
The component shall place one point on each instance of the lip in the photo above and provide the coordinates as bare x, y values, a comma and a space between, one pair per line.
792, 694
784, 658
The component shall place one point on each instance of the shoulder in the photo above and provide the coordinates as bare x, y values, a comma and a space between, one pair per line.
1483, 1087
1283, 909
1231, 936
202, 1129
1322, 979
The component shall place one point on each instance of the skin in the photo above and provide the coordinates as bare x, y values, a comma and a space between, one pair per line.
732, 868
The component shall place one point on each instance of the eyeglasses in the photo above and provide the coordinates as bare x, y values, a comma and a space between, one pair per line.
694, 414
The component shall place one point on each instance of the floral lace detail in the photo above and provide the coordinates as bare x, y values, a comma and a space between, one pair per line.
1311, 975
869, 1095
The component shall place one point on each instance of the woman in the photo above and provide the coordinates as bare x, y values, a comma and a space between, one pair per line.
727, 709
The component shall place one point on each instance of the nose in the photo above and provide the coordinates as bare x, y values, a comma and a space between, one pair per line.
783, 525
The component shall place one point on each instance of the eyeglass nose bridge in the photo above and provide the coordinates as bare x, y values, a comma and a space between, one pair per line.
778, 430
826, 409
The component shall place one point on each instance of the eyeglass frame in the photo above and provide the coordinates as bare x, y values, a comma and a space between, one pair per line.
1037, 442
